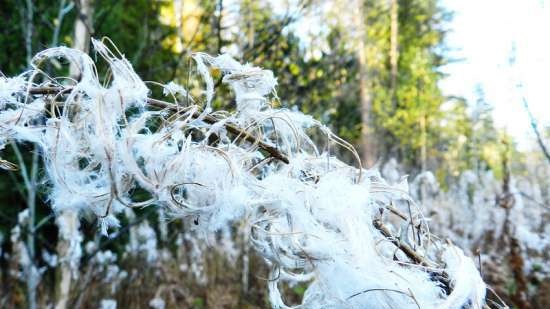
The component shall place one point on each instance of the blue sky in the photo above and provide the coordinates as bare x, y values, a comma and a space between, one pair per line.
484, 33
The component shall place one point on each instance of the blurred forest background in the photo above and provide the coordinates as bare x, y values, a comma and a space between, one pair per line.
369, 69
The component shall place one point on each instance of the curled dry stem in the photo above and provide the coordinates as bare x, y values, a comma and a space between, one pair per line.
209, 119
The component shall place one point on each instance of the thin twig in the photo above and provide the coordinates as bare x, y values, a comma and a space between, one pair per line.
209, 119
384, 290
534, 126
413, 255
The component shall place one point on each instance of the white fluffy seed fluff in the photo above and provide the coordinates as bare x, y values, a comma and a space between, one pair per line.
316, 219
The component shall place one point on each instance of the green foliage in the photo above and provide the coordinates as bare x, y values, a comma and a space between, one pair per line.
409, 119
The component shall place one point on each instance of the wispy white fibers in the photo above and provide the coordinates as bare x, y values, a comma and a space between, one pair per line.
107, 304
466, 284
357, 241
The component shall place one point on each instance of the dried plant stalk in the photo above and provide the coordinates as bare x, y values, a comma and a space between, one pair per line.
311, 216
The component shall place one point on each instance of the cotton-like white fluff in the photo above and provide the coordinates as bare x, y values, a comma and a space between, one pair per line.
308, 214
49, 258
532, 240
143, 242
251, 85
467, 285
174, 89
107, 304
10, 86
30, 273
471, 209
105, 257
157, 303
148, 241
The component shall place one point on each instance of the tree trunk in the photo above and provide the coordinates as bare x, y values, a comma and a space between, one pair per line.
68, 220
368, 146
423, 128
394, 53
83, 29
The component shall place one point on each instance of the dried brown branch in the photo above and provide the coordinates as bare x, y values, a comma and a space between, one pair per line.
231, 128
416, 258
409, 252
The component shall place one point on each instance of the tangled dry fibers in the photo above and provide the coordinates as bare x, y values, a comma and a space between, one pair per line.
358, 241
